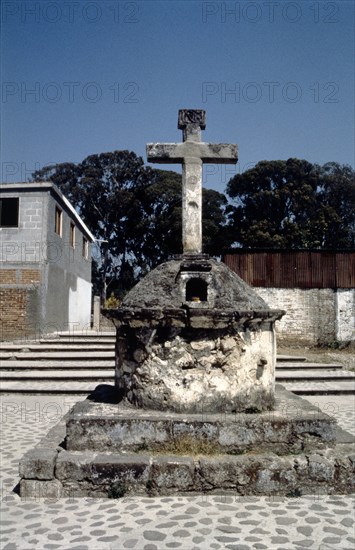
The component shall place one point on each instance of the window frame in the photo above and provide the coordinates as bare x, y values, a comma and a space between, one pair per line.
72, 235
58, 221
17, 199
85, 248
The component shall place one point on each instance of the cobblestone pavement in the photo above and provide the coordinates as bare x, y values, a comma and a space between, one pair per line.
198, 522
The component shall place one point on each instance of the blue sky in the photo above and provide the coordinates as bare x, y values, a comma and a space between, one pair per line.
85, 77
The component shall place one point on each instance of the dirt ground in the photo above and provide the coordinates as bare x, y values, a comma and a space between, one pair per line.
345, 356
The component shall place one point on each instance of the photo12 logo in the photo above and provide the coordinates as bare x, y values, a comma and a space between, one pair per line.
69, 92
70, 12
270, 92
271, 12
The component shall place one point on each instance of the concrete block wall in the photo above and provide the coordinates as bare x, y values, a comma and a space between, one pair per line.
45, 281
314, 316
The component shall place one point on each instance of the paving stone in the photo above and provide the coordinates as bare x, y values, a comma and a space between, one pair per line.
279, 540
60, 520
285, 521
167, 524
259, 531
204, 531
97, 532
227, 520
334, 531
237, 547
154, 535
312, 520
205, 521
348, 522
130, 543
181, 533
222, 538
228, 529
304, 530
305, 543
331, 540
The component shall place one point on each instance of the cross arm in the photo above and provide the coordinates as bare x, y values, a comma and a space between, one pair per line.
165, 153
172, 153
218, 153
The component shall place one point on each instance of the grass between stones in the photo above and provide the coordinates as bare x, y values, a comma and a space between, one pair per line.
187, 445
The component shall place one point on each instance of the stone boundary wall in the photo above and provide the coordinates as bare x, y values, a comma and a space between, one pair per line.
314, 316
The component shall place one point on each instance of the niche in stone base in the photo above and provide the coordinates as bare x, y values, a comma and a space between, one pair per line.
196, 290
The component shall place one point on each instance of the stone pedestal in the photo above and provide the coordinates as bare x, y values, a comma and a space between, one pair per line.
109, 449
192, 337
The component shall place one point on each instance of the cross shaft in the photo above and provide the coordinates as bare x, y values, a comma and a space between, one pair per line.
192, 153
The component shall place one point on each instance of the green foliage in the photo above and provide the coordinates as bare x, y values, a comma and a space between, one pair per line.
134, 212
117, 490
293, 204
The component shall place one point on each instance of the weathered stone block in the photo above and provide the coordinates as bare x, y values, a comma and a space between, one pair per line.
114, 434
197, 430
172, 472
225, 472
34, 488
132, 470
320, 469
38, 464
73, 466
277, 476
323, 429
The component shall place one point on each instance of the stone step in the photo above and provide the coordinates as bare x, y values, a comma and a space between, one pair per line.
49, 347
84, 336
315, 374
59, 375
319, 387
291, 358
46, 387
39, 355
82, 341
308, 366
45, 365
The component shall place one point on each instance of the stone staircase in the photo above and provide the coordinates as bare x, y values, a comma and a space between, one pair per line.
75, 364
65, 363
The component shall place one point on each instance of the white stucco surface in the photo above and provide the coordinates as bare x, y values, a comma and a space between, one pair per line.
80, 305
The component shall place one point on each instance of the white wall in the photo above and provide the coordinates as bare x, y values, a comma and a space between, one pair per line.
314, 316
345, 303
80, 305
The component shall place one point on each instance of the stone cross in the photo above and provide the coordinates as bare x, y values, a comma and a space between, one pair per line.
191, 154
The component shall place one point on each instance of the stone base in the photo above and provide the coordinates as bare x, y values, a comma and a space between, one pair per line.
110, 450
292, 427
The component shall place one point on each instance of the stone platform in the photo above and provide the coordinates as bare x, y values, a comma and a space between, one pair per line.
105, 448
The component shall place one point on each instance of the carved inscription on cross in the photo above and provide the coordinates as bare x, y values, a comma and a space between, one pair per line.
191, 154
